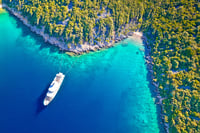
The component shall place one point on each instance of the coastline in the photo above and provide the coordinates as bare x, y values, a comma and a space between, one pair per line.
1, 8
80, 49
59, 42
153, 85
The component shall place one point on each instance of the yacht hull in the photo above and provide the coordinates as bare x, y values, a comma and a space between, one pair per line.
53, 88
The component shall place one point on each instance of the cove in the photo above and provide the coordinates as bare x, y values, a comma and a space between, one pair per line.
103, 92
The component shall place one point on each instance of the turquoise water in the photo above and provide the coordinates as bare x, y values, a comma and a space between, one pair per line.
103, 92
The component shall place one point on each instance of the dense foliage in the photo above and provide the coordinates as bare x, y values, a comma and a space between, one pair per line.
174, 28
171, 26
79, 21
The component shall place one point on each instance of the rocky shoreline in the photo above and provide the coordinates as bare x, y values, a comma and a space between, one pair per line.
86, 47
154, 86
59, 42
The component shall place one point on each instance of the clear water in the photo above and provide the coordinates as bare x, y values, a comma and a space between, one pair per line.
103, 92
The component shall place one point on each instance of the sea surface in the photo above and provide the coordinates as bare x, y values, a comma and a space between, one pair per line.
103, 92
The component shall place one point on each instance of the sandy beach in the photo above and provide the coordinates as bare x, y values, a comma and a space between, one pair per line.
1, 9
137, 36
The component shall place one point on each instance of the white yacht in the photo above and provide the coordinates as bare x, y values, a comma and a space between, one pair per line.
53, 88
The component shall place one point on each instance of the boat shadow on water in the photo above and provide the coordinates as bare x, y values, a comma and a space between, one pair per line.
40, 107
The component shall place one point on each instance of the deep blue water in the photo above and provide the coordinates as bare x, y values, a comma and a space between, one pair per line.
103, 92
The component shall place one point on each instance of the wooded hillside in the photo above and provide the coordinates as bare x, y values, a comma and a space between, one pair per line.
173, 31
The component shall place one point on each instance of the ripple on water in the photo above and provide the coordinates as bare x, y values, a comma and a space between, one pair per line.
105, 91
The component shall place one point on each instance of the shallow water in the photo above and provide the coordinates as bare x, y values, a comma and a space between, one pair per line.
103, 92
